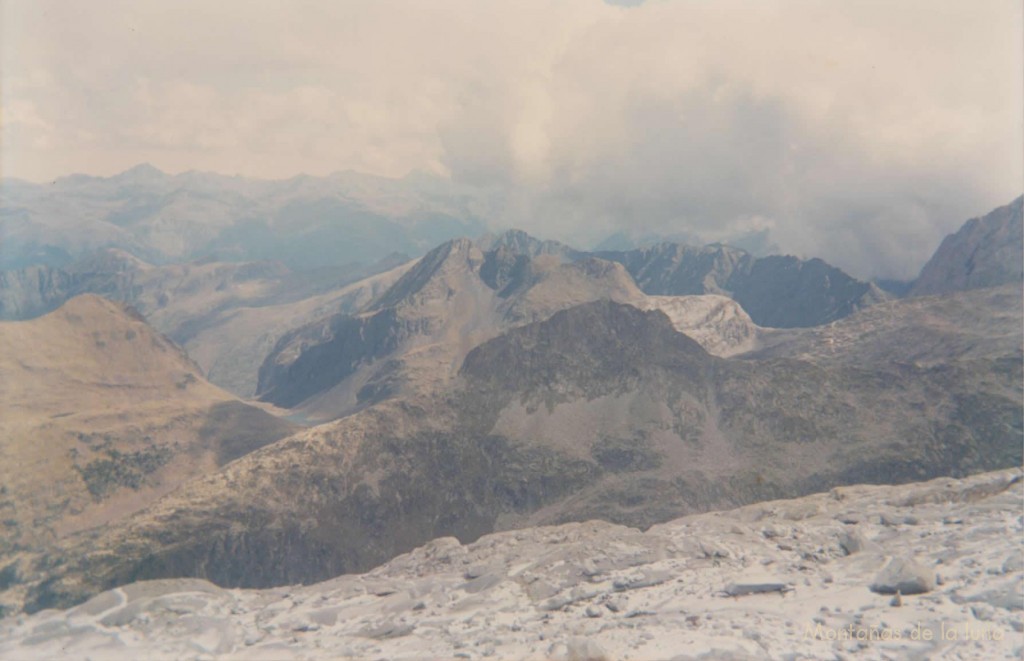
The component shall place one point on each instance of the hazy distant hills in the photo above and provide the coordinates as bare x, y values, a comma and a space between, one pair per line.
986, 252
304, 222
101, 416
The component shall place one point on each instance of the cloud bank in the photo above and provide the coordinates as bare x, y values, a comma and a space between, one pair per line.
858, 131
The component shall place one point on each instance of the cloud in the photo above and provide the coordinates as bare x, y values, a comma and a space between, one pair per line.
858, 131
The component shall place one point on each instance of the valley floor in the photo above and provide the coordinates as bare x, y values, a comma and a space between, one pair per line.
793, 579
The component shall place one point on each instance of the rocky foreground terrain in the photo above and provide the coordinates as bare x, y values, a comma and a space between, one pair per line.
919, 571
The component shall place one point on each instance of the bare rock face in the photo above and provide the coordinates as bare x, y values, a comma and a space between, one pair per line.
718, 323
412, 337
776, 291
985, 252
764, 581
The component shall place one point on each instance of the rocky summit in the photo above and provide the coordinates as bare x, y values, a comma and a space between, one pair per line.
926, 570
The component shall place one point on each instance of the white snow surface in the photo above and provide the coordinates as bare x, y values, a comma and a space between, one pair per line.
801, 571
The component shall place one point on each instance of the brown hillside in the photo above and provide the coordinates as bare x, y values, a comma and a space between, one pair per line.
99, 416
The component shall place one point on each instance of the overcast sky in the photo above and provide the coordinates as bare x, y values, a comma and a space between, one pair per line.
861, 131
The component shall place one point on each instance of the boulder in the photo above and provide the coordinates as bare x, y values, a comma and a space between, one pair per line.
905, 576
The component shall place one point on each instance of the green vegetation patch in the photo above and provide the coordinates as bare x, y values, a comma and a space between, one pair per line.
621, 455
122, 469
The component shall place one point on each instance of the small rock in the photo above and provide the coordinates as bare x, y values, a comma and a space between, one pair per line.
983, 612
593, 611
1014, 562
614, 605
742, 589
475, 571
482, 582
584, 649
904, 576
639, 613
852, 541
888, 520
897, 600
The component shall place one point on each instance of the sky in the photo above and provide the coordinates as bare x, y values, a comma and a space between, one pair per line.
860, 131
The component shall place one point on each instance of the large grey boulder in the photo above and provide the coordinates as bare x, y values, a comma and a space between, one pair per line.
904, 576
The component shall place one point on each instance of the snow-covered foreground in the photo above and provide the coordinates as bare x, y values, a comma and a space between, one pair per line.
794, 579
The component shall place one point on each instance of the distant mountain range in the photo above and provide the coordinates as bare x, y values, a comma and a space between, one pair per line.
304, 222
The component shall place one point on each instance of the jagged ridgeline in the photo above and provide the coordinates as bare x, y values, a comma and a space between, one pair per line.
601, 411
508, 383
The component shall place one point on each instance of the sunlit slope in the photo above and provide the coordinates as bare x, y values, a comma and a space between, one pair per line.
100, 415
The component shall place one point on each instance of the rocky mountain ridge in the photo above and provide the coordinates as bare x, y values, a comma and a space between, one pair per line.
602, 410
809, 577
475, 391
776, 291
985, 252
413, 337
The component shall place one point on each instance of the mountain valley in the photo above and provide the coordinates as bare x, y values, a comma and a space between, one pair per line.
337, 417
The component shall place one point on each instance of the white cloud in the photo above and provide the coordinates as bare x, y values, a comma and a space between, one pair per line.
838, 124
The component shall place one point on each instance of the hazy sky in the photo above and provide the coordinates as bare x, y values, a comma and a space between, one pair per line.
858, 130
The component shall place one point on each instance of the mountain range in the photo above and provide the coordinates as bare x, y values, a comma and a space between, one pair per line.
304, 222
492, 384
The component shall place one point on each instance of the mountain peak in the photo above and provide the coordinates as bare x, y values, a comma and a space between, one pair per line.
984, 252
518, 242
601, 340
455, 256
141, 172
